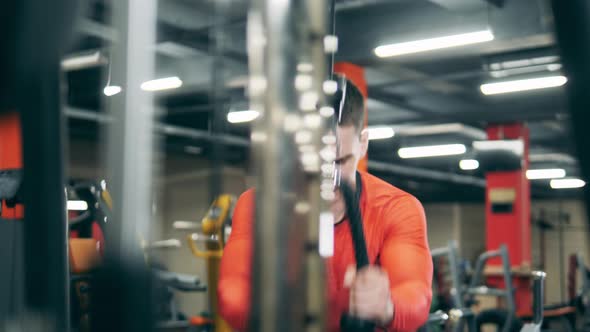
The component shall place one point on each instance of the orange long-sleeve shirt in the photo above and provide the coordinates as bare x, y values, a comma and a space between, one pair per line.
395, 232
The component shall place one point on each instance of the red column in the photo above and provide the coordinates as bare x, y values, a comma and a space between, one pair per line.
512, 226
10, 156
356, 75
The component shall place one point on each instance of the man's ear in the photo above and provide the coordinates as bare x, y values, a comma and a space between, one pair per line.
364, 142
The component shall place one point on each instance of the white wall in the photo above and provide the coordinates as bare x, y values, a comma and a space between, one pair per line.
575, 239
464, 223
473, 238
443, 224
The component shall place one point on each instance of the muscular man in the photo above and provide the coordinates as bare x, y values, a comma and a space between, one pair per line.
395, 291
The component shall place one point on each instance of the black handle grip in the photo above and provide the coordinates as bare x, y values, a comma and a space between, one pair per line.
349, 323
352, 324
353, 212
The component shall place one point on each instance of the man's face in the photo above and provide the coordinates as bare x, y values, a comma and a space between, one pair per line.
353, 147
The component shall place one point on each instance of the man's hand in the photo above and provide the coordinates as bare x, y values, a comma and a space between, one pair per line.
370, 297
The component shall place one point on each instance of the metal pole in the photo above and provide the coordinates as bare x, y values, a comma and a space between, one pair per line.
45, 237
287, 294
278, 263
511, 306
319, 193
217, 121
562, 276
572, 27
38, 100
130, 141
456, 291
121, 289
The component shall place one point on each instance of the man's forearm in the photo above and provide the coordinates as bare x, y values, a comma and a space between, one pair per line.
411, 304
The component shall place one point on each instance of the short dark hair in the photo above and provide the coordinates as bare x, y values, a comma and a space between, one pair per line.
353, 110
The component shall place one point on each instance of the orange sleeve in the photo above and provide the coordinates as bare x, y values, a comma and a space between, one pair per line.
235, 272
406, 258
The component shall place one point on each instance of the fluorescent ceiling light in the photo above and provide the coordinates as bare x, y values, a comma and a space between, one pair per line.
524, 66
186, 225
434, 44
516, 146
445, 128
163, 244
524, 70
111, 90
305, 67
82, 61
237, 82
77, 205
162, 84
567, 183
175, 50
242, 116
523, 85
469, 164
552, 157
432, 151
550, 173
520, 63
380, 132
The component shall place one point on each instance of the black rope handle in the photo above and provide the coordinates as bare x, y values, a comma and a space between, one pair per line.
350, 323
353, 213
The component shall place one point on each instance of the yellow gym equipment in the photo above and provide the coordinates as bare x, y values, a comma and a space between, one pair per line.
212, 232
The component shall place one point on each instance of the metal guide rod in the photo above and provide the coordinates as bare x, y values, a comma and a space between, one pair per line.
121, 288
271, 56
287, 164
41, 298
217, 121
130, 140
313, 53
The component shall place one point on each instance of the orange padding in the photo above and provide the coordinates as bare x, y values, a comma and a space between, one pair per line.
10, 142
84, 255
17, 212
200, 321
10, 157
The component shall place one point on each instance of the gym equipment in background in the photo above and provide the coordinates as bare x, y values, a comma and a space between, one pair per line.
452, 311
212, 231
505, 319
538, 298
165, 284
572, 315
89, 208
456, 310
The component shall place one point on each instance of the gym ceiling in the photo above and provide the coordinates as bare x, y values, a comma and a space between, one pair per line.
412, 92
